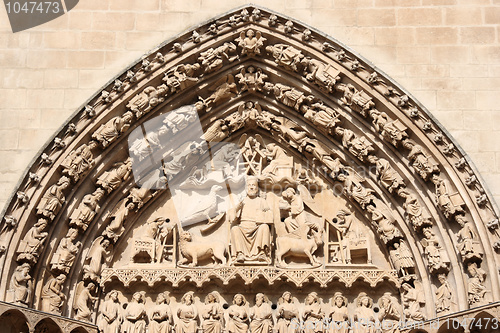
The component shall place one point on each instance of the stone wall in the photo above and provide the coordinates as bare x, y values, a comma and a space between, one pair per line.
444, 52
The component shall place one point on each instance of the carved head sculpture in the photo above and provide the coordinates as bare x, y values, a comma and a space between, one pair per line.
252, 187
187, 298
128, 116
41, 224
91, 286
442, 278
428, 233
163, 298
259, 299
311, 298
386, 299
61, 278
364, 300
138, 297
72, 234
250, 33
63, 182
239, 299
211, 298
288, 193
113, 295
339, 300
286, 297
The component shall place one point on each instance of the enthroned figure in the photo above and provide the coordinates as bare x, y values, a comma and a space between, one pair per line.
161, 318
286, 312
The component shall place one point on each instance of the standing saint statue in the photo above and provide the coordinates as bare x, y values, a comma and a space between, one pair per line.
110, 317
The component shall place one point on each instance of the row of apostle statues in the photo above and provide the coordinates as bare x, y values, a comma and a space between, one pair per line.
214, 316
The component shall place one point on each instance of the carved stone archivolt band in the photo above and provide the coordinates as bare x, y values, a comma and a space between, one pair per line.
328, 171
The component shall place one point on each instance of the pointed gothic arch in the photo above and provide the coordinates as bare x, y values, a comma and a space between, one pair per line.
359, 141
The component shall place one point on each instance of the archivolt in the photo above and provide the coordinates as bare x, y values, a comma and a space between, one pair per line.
301, 79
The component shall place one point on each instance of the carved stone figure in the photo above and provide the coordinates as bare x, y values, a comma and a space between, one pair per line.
444, 294
212, 314
31, 245
111, 130
84, 302
150, 143
296, 246
250, 113
161, 318
110, 316
251, 238
338, 318
291, 132
52, 296
384, 224
413, 298
363, 317
324, 75
66, 252
153, 241
358, 146
321, 115
423, 163
53, 199
115, 227
313, 314
291, 97
391, 130
386, 175
261, 315
223, 89
187, 315
357, 100
21, 284
468, 243
147, 99
285, 55
324, 156
218, 131
389, 314
475, 286
280, 161
79, 161
432, 250
415, 214
135, 314
111, 179
354, 189
180, 118
250, 42
287, 314
212, 59
238, 315
402, 258
99, 254
251, 79
450, 203
183, 76
194, 251
84, 214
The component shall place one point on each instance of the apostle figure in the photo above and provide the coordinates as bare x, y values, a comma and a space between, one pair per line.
212, 314
110, 318
338, 319
287, 312
364, 318
261, 315
187, 315
238, 315
135, 315
21, 283
161, 318
313, 314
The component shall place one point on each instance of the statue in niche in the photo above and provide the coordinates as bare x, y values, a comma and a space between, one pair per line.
383, 222
415, 214
451, 204
391, 130
468, 244
194, 251
30, 246
389, 314
79, 161
21, 284
88, 208
212, 314
218, 131
250, 42
287, 312
291, 97
475, 286
338, 318
151, 142
250, 112
223, 90
251, 79
180, 118
354, 189
238, 315
251, 237
423, 163
182, 77
432, 250
111, 130
324, 75
444, 294
110, 316
333, 165
153, 240
66, 252
115, 227
402, 258
322, 116
161, 318
212, 59
84, 301
111, 179
99, 255
386, 175
261, 315
53, 199
413, 299
364, 317
135, 314
147, 99
187, 315
358, 146
285, 55
52, 296
313, 314
357, 100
